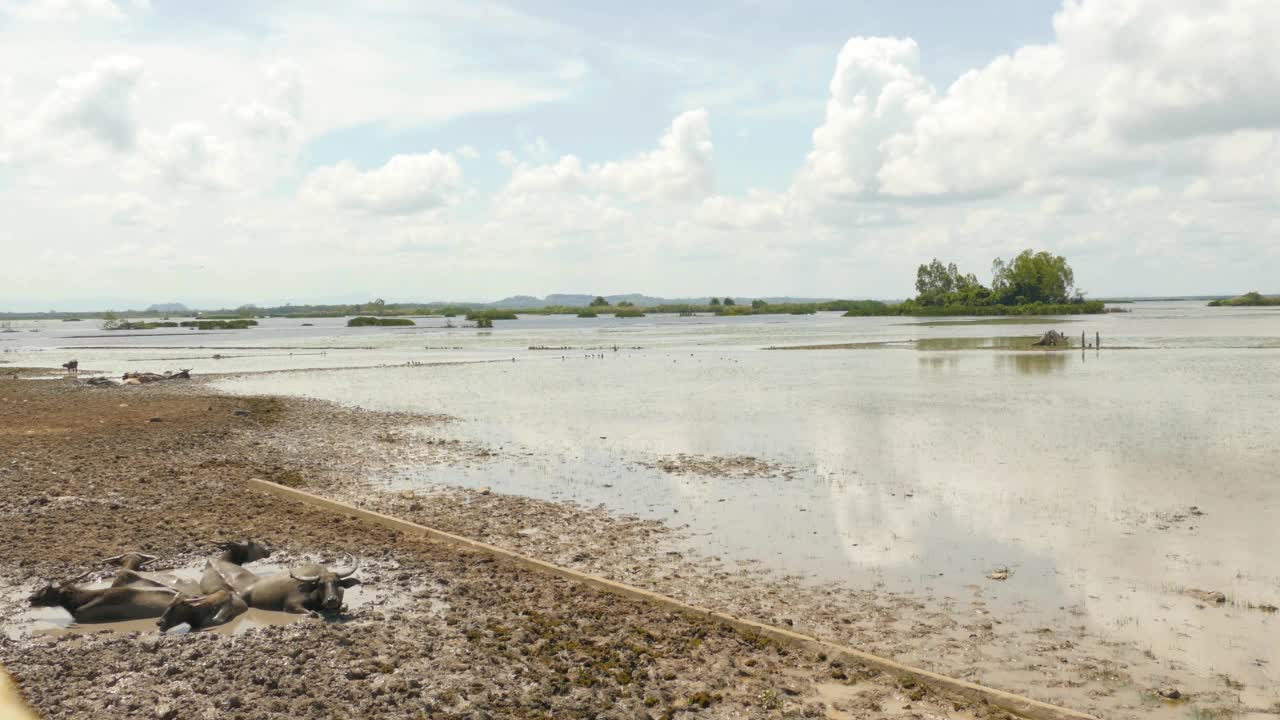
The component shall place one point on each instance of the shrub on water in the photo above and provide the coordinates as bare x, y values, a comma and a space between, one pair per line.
366, 321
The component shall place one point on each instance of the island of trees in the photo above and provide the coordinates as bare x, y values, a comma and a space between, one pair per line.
1032, 283
1249, 299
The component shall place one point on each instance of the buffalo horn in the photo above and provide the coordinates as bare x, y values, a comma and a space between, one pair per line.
355, 565
304, 578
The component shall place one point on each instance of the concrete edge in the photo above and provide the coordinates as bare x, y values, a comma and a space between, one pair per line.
954, 687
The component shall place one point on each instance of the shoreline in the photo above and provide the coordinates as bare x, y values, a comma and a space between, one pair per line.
1068, 667
87, 474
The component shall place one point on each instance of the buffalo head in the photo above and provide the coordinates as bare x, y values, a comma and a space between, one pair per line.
56, 594
244, 552
322, 587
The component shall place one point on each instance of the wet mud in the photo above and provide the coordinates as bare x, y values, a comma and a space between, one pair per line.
86, 473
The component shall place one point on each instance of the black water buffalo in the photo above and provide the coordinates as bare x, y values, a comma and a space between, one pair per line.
204, 611
310, 587
132, 575
99, 605
225, 571
72, 366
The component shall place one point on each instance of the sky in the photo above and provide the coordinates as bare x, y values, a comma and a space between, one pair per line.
248, 151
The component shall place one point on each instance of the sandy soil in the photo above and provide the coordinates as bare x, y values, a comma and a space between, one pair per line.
86, 473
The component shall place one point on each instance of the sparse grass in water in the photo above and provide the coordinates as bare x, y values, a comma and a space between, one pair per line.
366, 321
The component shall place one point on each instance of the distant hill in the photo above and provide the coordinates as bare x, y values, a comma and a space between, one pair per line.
173, 307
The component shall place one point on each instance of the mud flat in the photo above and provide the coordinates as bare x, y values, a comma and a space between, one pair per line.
86, 473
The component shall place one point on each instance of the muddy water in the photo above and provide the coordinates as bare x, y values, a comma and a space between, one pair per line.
12, 704
1107, 482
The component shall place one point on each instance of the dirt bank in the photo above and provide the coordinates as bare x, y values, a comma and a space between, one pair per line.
86, 473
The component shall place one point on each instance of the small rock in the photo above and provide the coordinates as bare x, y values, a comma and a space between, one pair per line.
156, 419
999, 574
166, 712
241, 413
1172, 694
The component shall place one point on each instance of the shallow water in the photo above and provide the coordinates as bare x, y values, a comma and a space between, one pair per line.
924, 458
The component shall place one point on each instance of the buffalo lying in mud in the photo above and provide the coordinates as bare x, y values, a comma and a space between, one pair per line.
225, 590
204, 611
110, 604
225, 571
310, 587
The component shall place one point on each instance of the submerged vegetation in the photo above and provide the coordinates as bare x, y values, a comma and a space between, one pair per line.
366, 321
1249, 299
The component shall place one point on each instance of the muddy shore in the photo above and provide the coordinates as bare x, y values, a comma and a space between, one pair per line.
86, 473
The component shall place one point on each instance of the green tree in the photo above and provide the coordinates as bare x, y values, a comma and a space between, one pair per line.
715, 302
626, 303
757, 304
247, 310
599, 302
1033, 277
729, 301
111, 321
938, 284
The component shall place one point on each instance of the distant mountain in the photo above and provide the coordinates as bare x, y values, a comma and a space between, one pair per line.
173, 307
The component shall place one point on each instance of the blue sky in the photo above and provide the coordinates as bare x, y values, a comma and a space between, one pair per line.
260, 152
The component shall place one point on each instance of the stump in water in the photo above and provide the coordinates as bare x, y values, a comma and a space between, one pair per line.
1053, 338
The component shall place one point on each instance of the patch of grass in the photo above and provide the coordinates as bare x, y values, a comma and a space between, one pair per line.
1249, 299
587, 314
366, 321
491, 315
628, 313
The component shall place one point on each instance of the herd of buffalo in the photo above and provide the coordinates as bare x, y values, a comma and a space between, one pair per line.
225, 590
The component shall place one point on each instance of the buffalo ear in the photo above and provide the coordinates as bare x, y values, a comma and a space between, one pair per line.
349, 582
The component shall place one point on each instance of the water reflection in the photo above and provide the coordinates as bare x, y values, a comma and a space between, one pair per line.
1032, 363
938, 363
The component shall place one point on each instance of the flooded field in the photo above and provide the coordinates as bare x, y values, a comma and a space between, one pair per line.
917, 456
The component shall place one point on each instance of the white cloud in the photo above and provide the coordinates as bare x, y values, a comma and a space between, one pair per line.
1143, 128
1121, 79
62, 9
98, 103
406, 184
681, 168
190, 155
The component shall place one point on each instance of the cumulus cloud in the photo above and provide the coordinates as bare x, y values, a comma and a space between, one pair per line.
681, 168
406, 184
190, 155
98, 103
1122, 79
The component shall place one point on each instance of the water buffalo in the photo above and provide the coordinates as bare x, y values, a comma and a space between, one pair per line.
132, 575
225, 571
310, 587
72, 366
202, 612
112, 604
